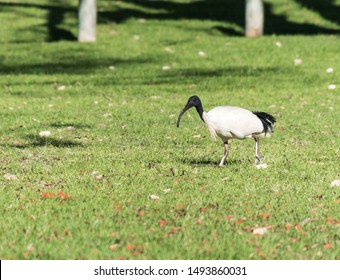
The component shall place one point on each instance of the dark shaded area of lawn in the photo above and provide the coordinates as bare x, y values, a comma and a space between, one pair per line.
223, 11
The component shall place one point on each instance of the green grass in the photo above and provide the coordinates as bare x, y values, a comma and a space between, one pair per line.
83, 192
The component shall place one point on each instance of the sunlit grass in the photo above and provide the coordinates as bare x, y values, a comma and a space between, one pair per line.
84, 191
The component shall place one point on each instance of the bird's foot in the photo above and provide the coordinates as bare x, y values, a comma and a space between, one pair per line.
257, 160
222, 162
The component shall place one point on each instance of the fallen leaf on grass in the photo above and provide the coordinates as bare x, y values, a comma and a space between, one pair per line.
265, 216
299, 229
163, 223
229, 217
173, 231
239, 222
63, 196
328, 246
332, 221
29, 250
47, 195
135, 249
288, 226
140, 213
117, 207
202, 209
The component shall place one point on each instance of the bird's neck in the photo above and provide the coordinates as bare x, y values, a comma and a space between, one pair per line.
200, 111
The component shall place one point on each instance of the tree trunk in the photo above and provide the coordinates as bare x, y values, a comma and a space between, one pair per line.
254, 18
87, 16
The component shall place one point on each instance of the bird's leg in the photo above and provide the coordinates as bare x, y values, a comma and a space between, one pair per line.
257, 149
226, 151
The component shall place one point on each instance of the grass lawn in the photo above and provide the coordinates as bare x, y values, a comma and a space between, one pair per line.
111, 107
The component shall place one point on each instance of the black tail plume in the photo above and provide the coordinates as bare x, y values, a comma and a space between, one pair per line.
267, 120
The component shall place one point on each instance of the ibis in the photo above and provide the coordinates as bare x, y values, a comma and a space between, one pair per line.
228, 122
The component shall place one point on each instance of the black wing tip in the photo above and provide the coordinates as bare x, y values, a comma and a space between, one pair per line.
267, 120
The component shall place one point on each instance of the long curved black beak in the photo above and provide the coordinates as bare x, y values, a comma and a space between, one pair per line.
186, 108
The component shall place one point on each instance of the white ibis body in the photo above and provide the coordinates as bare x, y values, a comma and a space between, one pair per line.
229, 122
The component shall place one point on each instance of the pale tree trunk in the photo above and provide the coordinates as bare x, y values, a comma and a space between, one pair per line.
254, 18
87, 18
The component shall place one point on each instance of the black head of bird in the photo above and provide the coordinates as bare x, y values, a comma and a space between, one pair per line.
193, 101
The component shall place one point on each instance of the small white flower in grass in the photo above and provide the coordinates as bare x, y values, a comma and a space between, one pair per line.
61, 88
260, 231
261, 166
155, 97
331, 87
335, 183
201, 53
153, 196
278, 44
97, 175
169, 50
30, 248
166, 67
167, 190
330, 70
9, 176
45, 133
297, 61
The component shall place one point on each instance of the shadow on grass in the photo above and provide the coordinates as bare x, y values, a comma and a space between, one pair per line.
226, 11
223, 11
189, 75
37, 141
66, 64
55, 16
209, 162
71, 124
